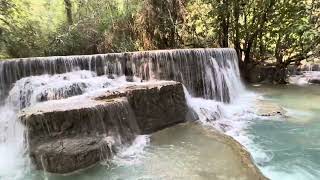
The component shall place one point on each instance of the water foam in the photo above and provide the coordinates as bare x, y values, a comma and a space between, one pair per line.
134, 153
304, 78
14, 163
212, 74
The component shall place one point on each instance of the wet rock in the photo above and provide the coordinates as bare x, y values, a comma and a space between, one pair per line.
156, 105
70, 154
72, 117
156, 108
58, 131
267, 75
315, 80
61, 92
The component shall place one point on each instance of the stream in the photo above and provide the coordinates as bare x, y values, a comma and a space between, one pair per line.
288, 148
283, 147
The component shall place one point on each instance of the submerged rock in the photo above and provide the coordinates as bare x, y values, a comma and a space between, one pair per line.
68, 135
266, 108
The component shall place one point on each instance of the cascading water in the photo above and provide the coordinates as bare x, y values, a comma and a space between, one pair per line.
308, 73
310, 67
191, 67
29, 91
211, 74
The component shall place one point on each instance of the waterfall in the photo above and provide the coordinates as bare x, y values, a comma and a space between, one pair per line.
212, 74
310, 67
208, 73
308, 73
29, 91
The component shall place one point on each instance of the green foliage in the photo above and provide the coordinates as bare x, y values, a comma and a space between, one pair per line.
262, 31
282, 31
157, 24
21, 36
199, 29
98, 27
28, 29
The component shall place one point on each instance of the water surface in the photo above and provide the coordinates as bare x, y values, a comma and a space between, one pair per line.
289, 147
186, 151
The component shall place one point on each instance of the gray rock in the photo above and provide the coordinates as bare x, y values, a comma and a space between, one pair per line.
315, 80
156, 108
58, 131
70, 154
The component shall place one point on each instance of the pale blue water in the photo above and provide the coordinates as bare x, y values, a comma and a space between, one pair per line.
289, 148
284, 148
183, 152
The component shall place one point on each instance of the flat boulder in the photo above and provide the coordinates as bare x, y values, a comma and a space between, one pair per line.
75, 133
267, 108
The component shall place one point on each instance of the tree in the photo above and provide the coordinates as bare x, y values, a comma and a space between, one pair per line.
273, 33
20, 35
290, 35
100, 26
68, 6
198, 29
157, 24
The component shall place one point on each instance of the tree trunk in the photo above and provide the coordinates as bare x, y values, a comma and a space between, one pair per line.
68, 7
224, 17
173, 16
280, 76
236, 11
236, 42
247, 64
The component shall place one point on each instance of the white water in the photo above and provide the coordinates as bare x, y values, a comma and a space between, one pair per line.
221, 81
28, 92
305, 78
12, 150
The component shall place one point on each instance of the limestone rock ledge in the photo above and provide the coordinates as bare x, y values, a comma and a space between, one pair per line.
64, 136
69, 154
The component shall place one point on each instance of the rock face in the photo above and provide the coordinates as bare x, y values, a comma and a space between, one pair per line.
156, 109
315, 80
267, 75
75, 133
69, 154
